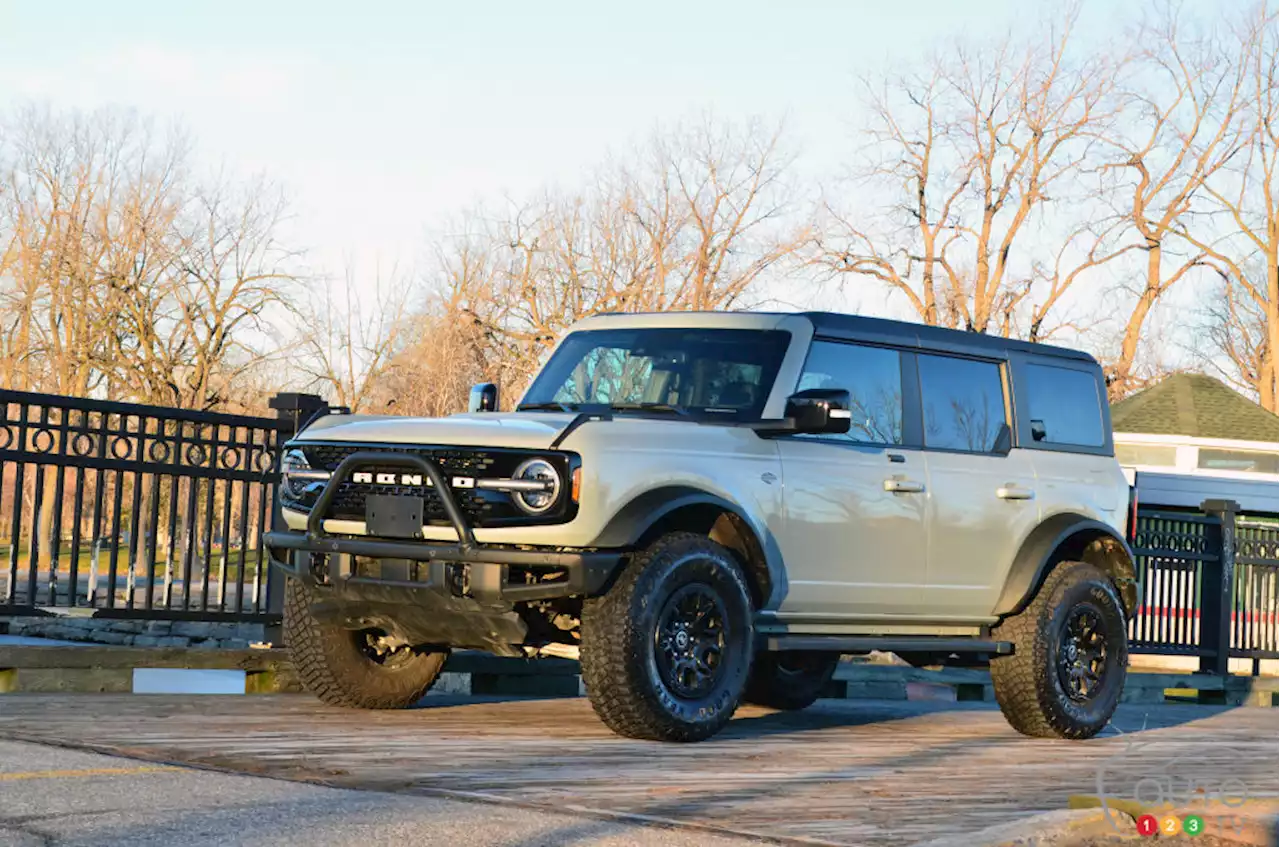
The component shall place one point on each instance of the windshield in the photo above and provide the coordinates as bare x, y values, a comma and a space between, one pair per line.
720, 372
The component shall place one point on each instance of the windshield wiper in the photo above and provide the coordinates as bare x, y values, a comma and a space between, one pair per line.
650, 407
549, 406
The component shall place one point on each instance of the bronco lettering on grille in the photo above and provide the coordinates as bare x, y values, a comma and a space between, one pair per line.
411, 479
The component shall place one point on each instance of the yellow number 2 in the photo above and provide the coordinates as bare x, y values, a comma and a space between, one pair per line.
1171, 825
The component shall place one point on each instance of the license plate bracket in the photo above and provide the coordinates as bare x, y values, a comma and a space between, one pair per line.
393, 516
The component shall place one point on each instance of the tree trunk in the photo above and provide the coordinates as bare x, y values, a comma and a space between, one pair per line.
1122, 369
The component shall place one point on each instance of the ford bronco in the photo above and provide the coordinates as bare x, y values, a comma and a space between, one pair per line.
713, 508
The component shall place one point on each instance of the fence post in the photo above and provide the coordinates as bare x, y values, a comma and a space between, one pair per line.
1217, 589
295, 411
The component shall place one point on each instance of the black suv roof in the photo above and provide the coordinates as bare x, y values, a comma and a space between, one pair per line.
902, 333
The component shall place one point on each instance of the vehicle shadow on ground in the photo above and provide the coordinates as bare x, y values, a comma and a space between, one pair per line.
442, 701
833, 714
754, 722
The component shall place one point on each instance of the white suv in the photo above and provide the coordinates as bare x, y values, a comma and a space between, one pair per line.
713, 508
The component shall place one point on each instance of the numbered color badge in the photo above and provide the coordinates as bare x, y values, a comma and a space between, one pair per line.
1148, 825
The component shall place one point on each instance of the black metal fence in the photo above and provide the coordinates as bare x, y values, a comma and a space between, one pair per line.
1207, 585
138, 511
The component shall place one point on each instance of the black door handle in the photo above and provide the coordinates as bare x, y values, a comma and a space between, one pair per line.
897, 458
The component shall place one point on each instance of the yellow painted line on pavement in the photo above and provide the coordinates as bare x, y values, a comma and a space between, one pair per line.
14, 777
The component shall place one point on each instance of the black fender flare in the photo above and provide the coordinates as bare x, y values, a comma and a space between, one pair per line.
631, 523
1085, 539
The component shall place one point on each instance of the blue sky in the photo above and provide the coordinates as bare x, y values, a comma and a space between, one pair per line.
382, 120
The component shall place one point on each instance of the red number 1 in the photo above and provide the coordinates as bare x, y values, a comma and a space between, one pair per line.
1148, 825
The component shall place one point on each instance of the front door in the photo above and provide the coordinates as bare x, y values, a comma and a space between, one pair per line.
854, 540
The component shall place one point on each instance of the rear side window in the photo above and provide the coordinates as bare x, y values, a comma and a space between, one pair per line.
873, 378
963, 403
1064, 406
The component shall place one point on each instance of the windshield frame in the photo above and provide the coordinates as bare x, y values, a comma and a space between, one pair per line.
777, 342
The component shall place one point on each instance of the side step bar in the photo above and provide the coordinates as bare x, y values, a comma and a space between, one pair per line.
888, 643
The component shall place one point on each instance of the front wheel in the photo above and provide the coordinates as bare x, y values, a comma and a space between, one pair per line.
666, 652
1067, 670
353, 668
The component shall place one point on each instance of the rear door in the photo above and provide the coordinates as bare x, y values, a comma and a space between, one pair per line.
981, 489
1067, 433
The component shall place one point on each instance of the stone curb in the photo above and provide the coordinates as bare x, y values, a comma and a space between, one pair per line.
1050, 829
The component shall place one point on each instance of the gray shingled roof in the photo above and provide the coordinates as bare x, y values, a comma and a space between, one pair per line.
1194, 405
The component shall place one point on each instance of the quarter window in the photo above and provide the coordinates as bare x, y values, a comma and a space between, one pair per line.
963, 403
873, 378
1064, 406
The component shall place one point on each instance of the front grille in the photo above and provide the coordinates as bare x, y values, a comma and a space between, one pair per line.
482, 508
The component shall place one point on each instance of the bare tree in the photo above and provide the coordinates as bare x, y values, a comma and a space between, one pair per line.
1186, 103
696, 223
351, 336
1236, 228
971, 148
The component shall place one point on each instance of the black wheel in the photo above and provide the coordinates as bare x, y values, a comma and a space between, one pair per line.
789, 680
666, 653
1067, 670
353, 668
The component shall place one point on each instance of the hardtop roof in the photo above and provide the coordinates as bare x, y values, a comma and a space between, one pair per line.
839, 325
858, 328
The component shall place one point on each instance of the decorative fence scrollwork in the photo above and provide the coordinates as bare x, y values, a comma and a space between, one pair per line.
135, 511
1208, 585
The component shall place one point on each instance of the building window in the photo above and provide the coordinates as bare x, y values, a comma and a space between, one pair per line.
1242, 461
1150, 455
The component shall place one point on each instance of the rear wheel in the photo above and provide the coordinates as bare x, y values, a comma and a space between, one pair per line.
1067, 670
791, 679
666, 653
357, 669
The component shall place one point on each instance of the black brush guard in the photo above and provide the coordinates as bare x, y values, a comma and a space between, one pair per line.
586, 571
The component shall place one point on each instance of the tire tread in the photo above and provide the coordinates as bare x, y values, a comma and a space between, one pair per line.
1020, 681
319, 662
612, 667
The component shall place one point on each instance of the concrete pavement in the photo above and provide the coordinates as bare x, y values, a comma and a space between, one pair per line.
51, 796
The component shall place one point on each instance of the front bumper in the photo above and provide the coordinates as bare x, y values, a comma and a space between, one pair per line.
462, 570
325, 559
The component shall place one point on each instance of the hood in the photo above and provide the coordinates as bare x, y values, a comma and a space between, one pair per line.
528, 430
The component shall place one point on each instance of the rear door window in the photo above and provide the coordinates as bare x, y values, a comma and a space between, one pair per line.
1064, 406
963, 403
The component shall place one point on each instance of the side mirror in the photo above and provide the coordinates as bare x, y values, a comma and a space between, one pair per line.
484, 397
820, 410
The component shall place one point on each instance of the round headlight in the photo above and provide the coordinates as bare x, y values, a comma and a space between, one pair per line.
538, 470
297, 474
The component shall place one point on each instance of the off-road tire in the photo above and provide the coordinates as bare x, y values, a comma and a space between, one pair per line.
789, 680
332, 665
1028, 684
621, 641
